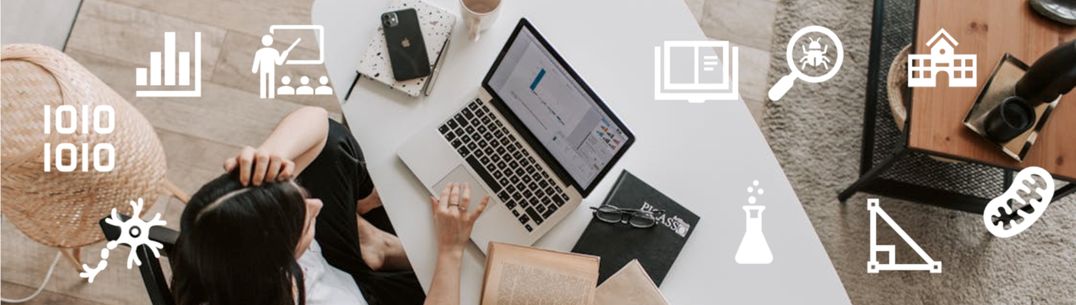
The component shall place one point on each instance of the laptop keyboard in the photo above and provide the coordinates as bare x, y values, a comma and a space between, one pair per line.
501, 161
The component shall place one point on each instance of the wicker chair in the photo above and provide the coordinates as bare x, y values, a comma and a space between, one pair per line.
62, 209
887, 166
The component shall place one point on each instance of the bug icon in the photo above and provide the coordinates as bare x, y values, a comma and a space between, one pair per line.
814, 54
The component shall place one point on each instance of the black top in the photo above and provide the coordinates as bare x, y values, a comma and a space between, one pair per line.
338, 177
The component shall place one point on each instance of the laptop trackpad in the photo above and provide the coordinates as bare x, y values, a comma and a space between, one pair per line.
429, 157
461, 175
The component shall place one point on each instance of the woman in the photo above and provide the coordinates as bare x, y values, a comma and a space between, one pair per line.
288, 224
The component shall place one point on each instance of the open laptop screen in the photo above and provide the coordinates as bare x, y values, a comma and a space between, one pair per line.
569, 121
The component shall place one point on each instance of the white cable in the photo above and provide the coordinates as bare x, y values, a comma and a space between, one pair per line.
44, 282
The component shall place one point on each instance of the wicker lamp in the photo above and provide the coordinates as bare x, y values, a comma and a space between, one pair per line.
60, 209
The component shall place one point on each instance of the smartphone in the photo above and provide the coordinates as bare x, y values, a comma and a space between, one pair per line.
407, 49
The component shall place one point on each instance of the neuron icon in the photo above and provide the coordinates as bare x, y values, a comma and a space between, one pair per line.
134, 232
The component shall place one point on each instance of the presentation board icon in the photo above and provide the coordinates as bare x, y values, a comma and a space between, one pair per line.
923, 69
169, 73
1021, 205
697, 71
317, 30
813, 64
874, 266
267, 58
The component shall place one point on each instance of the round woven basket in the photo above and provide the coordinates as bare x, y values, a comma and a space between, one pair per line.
897, 87
900, 95
62, 209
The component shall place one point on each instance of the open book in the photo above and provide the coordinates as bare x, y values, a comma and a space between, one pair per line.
629, 286
524, 275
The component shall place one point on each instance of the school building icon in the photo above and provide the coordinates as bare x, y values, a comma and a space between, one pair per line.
923, 69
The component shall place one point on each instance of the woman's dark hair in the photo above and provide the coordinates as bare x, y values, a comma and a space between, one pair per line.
237, 245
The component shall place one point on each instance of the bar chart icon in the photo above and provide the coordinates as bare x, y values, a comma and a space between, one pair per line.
169, 73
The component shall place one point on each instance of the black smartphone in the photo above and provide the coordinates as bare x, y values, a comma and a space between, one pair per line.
407, 49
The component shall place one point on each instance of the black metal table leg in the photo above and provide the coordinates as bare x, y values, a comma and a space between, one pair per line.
1064, 191
1008, 180
871, 175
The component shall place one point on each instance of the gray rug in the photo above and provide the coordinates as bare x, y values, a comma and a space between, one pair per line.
815, 132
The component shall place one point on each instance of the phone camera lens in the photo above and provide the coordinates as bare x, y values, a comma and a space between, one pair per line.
389, 19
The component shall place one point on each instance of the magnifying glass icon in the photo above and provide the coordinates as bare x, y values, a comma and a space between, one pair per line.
785, 83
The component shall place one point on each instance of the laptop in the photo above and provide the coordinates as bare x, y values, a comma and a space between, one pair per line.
536, 139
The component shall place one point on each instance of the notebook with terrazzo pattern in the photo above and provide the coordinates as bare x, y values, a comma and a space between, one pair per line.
436, 24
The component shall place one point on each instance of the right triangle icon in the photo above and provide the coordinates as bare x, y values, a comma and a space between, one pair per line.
873, 266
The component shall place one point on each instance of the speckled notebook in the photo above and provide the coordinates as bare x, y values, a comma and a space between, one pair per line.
436, 24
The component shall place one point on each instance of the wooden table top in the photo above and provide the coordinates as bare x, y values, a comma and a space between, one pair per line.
989, 29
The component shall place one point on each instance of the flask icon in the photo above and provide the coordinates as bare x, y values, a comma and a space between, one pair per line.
753, 247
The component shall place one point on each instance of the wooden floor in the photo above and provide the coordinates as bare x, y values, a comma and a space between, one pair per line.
112, 37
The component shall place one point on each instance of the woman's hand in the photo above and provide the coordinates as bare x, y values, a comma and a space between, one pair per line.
260, 165
454, 218
294, 144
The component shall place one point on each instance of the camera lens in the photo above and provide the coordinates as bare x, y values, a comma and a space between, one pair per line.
389, 19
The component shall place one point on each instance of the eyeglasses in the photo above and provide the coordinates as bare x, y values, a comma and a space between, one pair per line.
635, 217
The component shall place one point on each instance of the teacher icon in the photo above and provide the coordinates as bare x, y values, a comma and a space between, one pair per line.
814, 61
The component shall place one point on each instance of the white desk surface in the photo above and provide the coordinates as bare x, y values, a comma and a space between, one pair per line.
702, 155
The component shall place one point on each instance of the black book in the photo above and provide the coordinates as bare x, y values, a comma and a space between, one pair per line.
656, 247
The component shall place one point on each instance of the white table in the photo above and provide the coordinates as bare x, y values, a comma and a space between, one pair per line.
702, 155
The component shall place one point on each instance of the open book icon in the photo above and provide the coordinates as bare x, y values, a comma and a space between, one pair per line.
696, 71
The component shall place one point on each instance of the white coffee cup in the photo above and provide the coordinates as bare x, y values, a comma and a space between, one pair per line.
478, 15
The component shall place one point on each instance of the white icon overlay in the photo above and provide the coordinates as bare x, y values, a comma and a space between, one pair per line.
170, 69
923, 69
815, 53
874, 266
134, 232
1033, 186
267, 58
697, 71
754, 250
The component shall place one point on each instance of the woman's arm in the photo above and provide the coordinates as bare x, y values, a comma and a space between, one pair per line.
453, 221
445, 288
294, 143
